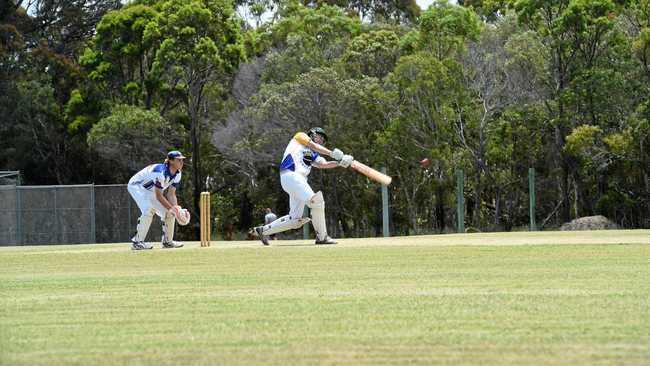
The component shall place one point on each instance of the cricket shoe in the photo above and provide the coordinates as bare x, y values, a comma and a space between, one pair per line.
140, 245
325, 241
259, 230
171, 244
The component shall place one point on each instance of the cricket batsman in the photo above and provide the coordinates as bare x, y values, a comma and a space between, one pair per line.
299, 157
154, 190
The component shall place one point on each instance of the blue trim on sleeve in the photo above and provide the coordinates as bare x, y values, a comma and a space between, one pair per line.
159, 168
288, 164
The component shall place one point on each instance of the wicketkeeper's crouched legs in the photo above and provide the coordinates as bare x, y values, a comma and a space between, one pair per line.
143, 225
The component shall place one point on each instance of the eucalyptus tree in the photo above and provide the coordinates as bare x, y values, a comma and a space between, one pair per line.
575, 35
39, 44
307, 38
174, 56
425, 91
498, 74
200, 49
374, 53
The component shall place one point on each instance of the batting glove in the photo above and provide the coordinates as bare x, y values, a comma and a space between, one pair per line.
337, 154
346, 160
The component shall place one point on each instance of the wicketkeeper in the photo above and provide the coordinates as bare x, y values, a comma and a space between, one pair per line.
154, 190
298, 159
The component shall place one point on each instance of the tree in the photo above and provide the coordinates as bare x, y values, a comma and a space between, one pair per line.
574, 34
40, 40
495, 81
174, 56
200, 47
445, 28
372, 54
308, 38
425, 91
131, 138
121, 58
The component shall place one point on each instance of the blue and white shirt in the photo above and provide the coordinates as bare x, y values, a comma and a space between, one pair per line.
299, 158
156, 175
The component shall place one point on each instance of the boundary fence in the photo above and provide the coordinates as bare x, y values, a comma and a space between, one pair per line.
32, 215
73, 214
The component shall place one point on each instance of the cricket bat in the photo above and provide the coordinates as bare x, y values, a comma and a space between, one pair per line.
371, 173
356, 165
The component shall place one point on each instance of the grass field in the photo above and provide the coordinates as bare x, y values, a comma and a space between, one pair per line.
517, 298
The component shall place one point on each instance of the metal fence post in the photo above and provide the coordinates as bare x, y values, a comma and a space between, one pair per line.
384, 205
56, 218
460, 201
93, 234
305, 228
531, 191
129, 213
19, 224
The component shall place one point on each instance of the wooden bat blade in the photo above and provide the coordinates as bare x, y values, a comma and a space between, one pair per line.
359, 167
371, 173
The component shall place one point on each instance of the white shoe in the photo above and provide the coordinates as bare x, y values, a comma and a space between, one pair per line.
140, 245
325, 241
171, 244
265, 239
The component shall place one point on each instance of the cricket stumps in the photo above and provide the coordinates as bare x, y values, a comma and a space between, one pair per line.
206, 230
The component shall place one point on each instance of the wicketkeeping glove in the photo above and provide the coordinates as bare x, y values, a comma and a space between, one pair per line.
175, 210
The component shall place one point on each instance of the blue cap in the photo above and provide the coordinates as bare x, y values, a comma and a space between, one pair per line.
175, 154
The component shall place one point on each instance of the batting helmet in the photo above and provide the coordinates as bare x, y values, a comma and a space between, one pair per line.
317, 130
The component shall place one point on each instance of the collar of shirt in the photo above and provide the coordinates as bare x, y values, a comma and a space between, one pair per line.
168, 173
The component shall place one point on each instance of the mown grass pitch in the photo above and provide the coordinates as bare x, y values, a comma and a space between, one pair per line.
568, 298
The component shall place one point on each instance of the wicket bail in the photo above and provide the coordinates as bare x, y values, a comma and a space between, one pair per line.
205, 219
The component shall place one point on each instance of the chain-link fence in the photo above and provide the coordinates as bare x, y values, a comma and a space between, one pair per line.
32, 215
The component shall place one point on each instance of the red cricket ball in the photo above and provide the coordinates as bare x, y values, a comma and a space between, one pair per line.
425, 162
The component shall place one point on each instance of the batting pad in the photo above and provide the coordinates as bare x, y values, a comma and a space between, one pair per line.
284, 223
317, 206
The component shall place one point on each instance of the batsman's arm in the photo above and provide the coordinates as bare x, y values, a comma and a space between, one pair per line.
326, 165
356, 165
303, 139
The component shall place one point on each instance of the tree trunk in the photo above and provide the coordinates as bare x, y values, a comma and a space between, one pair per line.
196, 164
645, 222
565, 187
476, 219
497, 208
440, 209
564, 177
413, 217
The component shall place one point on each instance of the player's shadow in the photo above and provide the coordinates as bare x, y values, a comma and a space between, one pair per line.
294, 245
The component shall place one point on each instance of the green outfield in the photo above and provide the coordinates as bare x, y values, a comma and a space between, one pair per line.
515, 298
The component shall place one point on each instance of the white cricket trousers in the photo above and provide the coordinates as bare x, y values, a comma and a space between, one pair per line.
299, 192
146, 200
